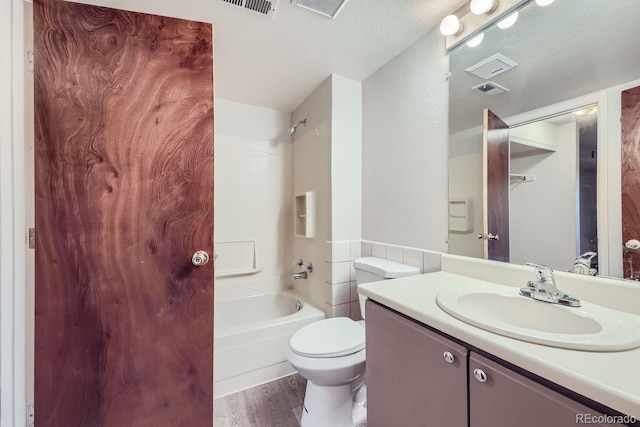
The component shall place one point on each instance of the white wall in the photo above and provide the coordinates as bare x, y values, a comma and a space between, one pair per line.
465, 182
327, 159
252, 191
346, 159
343, 245
542, 213
12, 215
311, 171
6, 217
404, 148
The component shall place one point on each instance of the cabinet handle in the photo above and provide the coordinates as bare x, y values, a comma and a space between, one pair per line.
480, 375
449, 357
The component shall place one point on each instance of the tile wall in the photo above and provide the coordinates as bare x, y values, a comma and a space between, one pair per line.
340, 289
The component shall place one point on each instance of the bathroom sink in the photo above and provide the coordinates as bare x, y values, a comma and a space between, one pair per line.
501, 310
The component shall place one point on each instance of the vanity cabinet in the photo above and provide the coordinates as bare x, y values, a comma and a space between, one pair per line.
415, 377
500, 397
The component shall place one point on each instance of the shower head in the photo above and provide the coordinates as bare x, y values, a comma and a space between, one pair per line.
293, 128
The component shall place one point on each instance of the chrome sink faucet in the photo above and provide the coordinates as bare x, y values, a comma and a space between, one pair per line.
544, 288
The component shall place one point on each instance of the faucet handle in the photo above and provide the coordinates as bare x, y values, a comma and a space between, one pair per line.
544, 273
300, 264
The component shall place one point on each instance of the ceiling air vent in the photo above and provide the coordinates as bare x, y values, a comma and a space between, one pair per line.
490, 88
263, 7
492, 66
329, 8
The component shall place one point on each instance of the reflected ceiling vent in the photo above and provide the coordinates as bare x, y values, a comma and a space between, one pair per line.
329, 8
262, 7
490, 88
492, 66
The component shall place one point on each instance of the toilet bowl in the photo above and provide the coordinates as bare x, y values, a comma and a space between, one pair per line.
331, 355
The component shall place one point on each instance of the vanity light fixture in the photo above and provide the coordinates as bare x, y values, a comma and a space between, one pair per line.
476, 40
508, 21
478, 7
586, 111
477, 16
544, 2
451, 26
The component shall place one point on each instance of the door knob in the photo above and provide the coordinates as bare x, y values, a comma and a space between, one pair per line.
200, 258
632, 245
488, 236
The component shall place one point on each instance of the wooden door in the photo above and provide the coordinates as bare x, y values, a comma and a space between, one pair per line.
631, 182
496, 187
409, 380
124, 197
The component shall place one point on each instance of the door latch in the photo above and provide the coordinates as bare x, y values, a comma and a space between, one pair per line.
32, 238
31, 414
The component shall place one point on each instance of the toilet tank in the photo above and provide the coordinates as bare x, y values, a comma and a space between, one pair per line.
371, 269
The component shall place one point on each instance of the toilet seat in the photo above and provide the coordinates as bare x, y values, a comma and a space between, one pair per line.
335, 337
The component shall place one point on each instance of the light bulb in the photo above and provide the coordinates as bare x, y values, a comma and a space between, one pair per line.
544, 2
586, 111
476, 40
508, 21
478, 7
451, 26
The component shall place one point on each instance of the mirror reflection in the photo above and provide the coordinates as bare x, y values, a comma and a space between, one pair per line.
561, 79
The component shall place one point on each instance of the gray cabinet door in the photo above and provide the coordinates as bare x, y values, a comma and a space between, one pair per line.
409, 382
508, 399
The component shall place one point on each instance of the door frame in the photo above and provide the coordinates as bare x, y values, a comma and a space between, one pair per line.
608, 188
13, 264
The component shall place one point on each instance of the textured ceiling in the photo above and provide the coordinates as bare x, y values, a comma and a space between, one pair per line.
276, 63
565, 50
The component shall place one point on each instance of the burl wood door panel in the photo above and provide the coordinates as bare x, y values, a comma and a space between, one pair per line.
631, 180
496, 186
124, 197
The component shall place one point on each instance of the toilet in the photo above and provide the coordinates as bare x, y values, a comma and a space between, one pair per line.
330, 354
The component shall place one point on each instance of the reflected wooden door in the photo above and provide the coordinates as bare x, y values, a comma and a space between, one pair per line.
631, 183
496, 187
124, 197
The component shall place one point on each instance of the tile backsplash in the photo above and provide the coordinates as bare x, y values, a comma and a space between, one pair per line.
341, 295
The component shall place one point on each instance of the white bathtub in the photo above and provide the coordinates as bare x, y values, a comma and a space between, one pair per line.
251, 338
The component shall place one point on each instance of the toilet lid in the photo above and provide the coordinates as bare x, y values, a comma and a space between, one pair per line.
338, 336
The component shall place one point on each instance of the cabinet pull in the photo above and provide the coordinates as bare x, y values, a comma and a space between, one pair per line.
449, 357
480, 375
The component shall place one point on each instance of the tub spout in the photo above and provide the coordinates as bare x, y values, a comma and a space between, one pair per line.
300, 275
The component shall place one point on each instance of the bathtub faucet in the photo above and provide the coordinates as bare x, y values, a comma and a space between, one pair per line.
308, 267
300, 275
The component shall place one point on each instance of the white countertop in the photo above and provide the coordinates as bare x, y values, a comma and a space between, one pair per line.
610, 378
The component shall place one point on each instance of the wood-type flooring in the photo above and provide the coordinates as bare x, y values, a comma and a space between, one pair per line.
274, 404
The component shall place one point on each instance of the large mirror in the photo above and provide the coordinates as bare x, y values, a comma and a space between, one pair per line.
573, 62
